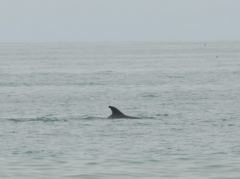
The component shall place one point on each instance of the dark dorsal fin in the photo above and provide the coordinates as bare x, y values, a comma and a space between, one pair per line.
116, 113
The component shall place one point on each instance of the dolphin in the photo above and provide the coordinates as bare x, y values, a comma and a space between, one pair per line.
116, 113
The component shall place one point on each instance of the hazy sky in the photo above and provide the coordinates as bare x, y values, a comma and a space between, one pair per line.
119, 20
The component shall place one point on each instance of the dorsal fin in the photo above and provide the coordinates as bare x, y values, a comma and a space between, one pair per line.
116, 113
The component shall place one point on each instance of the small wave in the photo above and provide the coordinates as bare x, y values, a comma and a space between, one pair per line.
66, 118
47, 119
106, 118
149, 95
37, 119
91, 118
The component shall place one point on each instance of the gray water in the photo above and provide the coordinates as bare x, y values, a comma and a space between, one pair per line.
54, 102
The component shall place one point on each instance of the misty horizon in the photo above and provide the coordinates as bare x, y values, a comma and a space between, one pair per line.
83, 21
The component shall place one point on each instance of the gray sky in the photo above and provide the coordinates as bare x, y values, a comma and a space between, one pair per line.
119, 20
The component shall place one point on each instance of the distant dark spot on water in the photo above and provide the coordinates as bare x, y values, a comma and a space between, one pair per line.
149, 95
218, 153
162, 114
105, 72
92, 163
85, 176
214, 166
176, 129
31, 152
184, 158
14, 120
175, 76
130, 161
154, 160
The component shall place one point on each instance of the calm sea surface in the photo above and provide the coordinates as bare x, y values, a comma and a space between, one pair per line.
54, 102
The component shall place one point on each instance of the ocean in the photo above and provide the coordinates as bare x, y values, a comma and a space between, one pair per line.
54, 100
